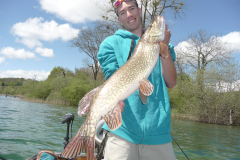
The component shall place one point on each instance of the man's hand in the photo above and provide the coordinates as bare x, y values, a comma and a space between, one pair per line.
121, 105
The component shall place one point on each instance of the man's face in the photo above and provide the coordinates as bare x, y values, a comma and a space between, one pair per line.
129, 15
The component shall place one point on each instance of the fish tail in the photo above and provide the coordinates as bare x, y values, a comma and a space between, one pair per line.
80, 142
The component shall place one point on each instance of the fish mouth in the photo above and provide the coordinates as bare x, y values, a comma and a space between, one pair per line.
158, 36
161, 24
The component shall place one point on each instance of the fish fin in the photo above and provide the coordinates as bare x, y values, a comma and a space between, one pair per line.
85, 102
90, 147
113, 118
146, 87
143, 97
74, 147
80, 142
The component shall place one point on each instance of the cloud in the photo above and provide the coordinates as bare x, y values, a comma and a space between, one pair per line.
74, 11
227, 87
184, 47
40, 75
233, 38
10, 52
2, 60
181, 50
33, 30
45, 52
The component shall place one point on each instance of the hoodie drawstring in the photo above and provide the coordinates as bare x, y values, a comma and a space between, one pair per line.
132, 43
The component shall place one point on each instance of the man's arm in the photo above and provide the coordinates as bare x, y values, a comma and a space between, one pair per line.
168, 68
169, 71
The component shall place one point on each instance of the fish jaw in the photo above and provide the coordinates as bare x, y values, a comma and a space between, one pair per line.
155, 31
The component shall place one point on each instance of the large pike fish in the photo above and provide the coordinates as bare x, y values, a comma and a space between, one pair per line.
102, 102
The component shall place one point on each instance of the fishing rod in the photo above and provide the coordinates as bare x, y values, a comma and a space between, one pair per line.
180, 148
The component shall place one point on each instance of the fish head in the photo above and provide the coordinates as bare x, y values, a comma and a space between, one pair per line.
155, 31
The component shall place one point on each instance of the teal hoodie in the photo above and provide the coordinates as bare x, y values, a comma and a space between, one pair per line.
141, 124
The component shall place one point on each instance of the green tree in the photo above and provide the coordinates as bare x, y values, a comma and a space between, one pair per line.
60, 72
1, 90
216, 102
25, 88
41, 90
9, 90
77, 89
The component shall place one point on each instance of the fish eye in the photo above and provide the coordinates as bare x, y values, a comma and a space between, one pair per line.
150, 26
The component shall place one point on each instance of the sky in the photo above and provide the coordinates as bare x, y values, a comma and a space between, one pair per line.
35, 34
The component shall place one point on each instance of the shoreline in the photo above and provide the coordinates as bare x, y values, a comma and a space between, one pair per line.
22, 97
174, 114
14, 96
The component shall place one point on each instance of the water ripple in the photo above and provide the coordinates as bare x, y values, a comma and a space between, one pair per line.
26, 128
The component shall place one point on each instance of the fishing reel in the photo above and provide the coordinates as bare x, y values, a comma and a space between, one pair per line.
99, 132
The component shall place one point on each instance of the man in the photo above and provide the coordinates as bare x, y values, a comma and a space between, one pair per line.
145, 130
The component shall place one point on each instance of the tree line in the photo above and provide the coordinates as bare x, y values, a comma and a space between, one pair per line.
11, 81
62, 86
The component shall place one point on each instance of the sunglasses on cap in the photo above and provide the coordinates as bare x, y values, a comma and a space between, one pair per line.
119, 2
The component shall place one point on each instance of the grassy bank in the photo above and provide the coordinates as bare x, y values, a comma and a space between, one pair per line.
36, 100
55, 101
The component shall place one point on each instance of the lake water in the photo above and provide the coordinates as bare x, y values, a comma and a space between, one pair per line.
26, 128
